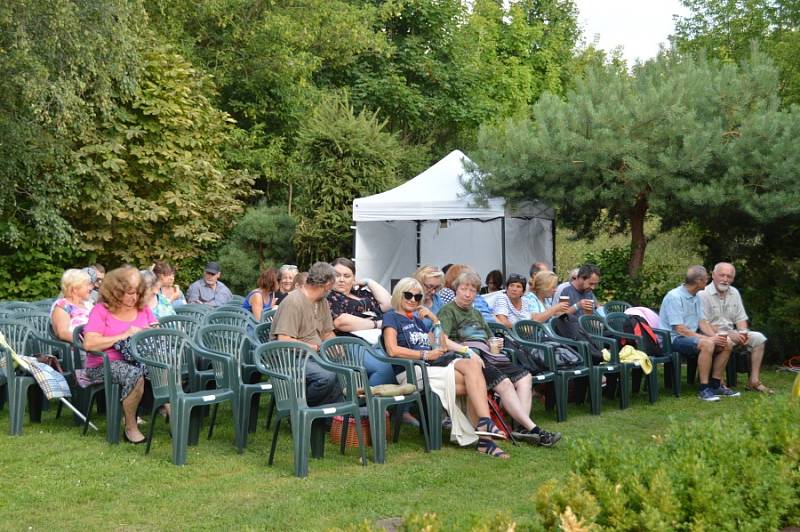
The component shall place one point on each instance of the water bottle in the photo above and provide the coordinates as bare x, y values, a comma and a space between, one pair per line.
437, 335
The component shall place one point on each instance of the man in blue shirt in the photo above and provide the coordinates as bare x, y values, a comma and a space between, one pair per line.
209, 290
692, 335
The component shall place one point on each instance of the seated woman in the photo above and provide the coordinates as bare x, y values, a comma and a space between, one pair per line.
286, 275
72, 310
120, 312
264, 297
166, 278
448, 292
159, 304
465, 325
510, 306
432, 281
406, 335
542, 287
359, 307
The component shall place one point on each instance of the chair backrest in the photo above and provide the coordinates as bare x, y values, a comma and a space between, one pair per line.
38, 320
269, 316
232, 341
17, 333
261, 333
237, 299
193, 310
592, 325
531, 331
615, 321
186, 324
616, 306
233, 319
288, 359
18, 306
45, 304
348, 352
165, 352
233, 308
498, 329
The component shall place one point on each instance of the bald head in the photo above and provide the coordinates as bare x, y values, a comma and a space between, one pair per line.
696, 278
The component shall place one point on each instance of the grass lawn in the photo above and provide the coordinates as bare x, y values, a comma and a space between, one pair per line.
52, 477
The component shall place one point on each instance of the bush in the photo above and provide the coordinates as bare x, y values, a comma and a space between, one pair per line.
740, 473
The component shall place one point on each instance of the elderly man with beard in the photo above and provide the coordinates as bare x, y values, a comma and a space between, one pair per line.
724, 310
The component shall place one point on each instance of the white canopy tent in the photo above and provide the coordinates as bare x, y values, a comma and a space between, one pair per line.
431, 220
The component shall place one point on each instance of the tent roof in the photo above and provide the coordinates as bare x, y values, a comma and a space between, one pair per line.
436, 194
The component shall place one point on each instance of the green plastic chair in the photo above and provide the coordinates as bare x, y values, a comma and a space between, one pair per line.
18, 335
285, 363
165, 352
237, 300
670, 360
236, 309
234, 342
350, 353
268, 316
234, 319
616, 306
538, 334
524, 335
200, 373
112, 392
18, 306
596, 328
193, 310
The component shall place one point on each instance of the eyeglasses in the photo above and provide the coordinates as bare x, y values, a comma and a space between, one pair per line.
432, 286
409, 296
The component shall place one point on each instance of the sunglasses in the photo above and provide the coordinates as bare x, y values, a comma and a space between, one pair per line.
409, 296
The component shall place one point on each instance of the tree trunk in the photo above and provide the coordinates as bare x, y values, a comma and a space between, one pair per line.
638, 239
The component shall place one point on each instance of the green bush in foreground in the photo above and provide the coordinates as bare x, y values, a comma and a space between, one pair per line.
741, 472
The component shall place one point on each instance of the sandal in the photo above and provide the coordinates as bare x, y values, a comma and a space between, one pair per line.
759, 387
486, 427
490, 448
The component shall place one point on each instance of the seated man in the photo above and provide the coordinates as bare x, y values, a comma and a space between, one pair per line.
724, 309
580, 291
304, 316
682, 313
209, 290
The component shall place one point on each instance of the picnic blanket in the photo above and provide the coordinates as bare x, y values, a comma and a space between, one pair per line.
52, 383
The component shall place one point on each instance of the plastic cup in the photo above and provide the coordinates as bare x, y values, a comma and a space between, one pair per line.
494, 345
563, 299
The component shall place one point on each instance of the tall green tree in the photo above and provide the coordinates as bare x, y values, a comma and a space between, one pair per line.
678, 137
726, 29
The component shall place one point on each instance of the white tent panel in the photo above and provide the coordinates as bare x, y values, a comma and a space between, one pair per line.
464, 242
528, 241
386, 250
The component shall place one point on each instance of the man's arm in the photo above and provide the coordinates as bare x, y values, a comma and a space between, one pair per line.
193, 294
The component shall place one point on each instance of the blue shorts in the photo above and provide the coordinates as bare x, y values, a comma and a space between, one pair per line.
686, 345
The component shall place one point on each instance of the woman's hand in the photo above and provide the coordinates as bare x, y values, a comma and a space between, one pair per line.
434, 354
133, 330
425, 312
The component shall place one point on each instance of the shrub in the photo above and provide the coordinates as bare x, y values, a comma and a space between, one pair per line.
740, 473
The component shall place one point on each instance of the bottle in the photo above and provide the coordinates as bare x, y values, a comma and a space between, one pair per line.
437, 335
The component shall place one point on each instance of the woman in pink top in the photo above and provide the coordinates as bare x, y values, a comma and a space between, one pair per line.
120, 312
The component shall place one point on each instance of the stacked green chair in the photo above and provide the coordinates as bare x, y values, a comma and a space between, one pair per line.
112, 392
18, 335
193, 310
237, 300
233, 319
234, 342
165, 352
670, 360
596, 328
616, 306
18, 306
238, 309
261, 333
285, 364
350, 353
538, 334
268, 316
545, 377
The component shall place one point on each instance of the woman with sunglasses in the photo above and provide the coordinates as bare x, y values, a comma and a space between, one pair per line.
451, 374
510, 306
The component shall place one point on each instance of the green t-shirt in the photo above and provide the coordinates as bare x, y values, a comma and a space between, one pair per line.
461, 325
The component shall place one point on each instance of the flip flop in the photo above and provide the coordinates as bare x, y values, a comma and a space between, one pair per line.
759, 387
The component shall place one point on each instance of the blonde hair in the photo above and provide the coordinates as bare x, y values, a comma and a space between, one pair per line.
406, 284
73, 278
543, 281
425, 271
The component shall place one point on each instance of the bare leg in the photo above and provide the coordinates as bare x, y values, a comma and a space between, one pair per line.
720, 361
470, 382
524, 388
512, 404
706, 347
756, 358
129, 406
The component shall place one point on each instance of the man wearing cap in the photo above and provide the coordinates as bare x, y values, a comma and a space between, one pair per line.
209, 290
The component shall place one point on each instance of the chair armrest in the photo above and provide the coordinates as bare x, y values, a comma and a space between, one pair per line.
549, 355
348, 375
666, 339
63, 349
231, 374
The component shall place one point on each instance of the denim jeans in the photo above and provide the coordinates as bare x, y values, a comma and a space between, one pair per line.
322, 386
379, 372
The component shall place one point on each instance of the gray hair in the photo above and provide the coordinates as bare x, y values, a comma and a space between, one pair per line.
148, 278
286, 268
320, 273
467, 277
718, 265
696, 273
